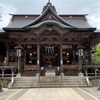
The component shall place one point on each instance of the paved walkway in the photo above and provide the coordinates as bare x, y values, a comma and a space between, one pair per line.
94, 91
46, 94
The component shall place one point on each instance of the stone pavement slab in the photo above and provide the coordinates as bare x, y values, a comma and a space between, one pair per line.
94, 91
47, 94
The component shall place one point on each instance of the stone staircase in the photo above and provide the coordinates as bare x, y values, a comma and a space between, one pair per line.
49, 81
74, 81
25, 82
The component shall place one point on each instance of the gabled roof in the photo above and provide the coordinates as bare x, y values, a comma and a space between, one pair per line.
22, 22
50, 23
48, 8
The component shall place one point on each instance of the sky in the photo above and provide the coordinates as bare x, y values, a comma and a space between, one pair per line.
90, 7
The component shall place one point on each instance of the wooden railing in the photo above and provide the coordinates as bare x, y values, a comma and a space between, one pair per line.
71, 67
91, 70
30, 68
91, 66
71, 70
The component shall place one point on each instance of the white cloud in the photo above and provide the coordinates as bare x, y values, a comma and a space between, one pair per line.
5, 11
94, 21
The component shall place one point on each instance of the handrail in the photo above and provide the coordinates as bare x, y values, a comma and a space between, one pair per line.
11, 83
89, 83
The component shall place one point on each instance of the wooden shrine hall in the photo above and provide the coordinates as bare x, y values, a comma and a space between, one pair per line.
48, 42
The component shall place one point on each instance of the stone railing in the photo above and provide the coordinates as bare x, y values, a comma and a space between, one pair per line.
11, 83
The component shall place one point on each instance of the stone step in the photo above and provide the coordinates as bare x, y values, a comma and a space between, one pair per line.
49, 81
74, 81
25, 82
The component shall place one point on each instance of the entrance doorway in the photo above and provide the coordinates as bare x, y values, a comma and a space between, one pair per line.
50, 56
31, 54
2, 53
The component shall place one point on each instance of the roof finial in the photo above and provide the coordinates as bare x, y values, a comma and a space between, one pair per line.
48, 1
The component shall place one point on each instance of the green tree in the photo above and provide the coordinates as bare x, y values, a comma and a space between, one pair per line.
96, 54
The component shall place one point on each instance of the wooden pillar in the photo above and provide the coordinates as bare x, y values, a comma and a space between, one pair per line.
6, 62
12, 72
38, 57
95, 71
61, 58
73, 62
90, 56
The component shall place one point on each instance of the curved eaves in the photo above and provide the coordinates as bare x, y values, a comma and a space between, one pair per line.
50, 23
60, 19
44, 14
38, 18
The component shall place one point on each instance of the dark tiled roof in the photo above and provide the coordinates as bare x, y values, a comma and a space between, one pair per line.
25, 21
51, 22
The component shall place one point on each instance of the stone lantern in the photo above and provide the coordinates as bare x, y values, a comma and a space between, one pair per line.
19, 54
80, 54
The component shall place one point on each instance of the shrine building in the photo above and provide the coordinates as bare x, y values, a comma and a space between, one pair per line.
48, 41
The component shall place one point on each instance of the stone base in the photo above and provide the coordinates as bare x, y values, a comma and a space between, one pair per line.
62, 74
38, 75
80, 74
18, 75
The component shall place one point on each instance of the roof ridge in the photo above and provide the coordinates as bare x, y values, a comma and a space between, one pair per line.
44, 13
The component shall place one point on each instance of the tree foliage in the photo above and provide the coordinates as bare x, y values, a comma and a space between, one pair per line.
96, 54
